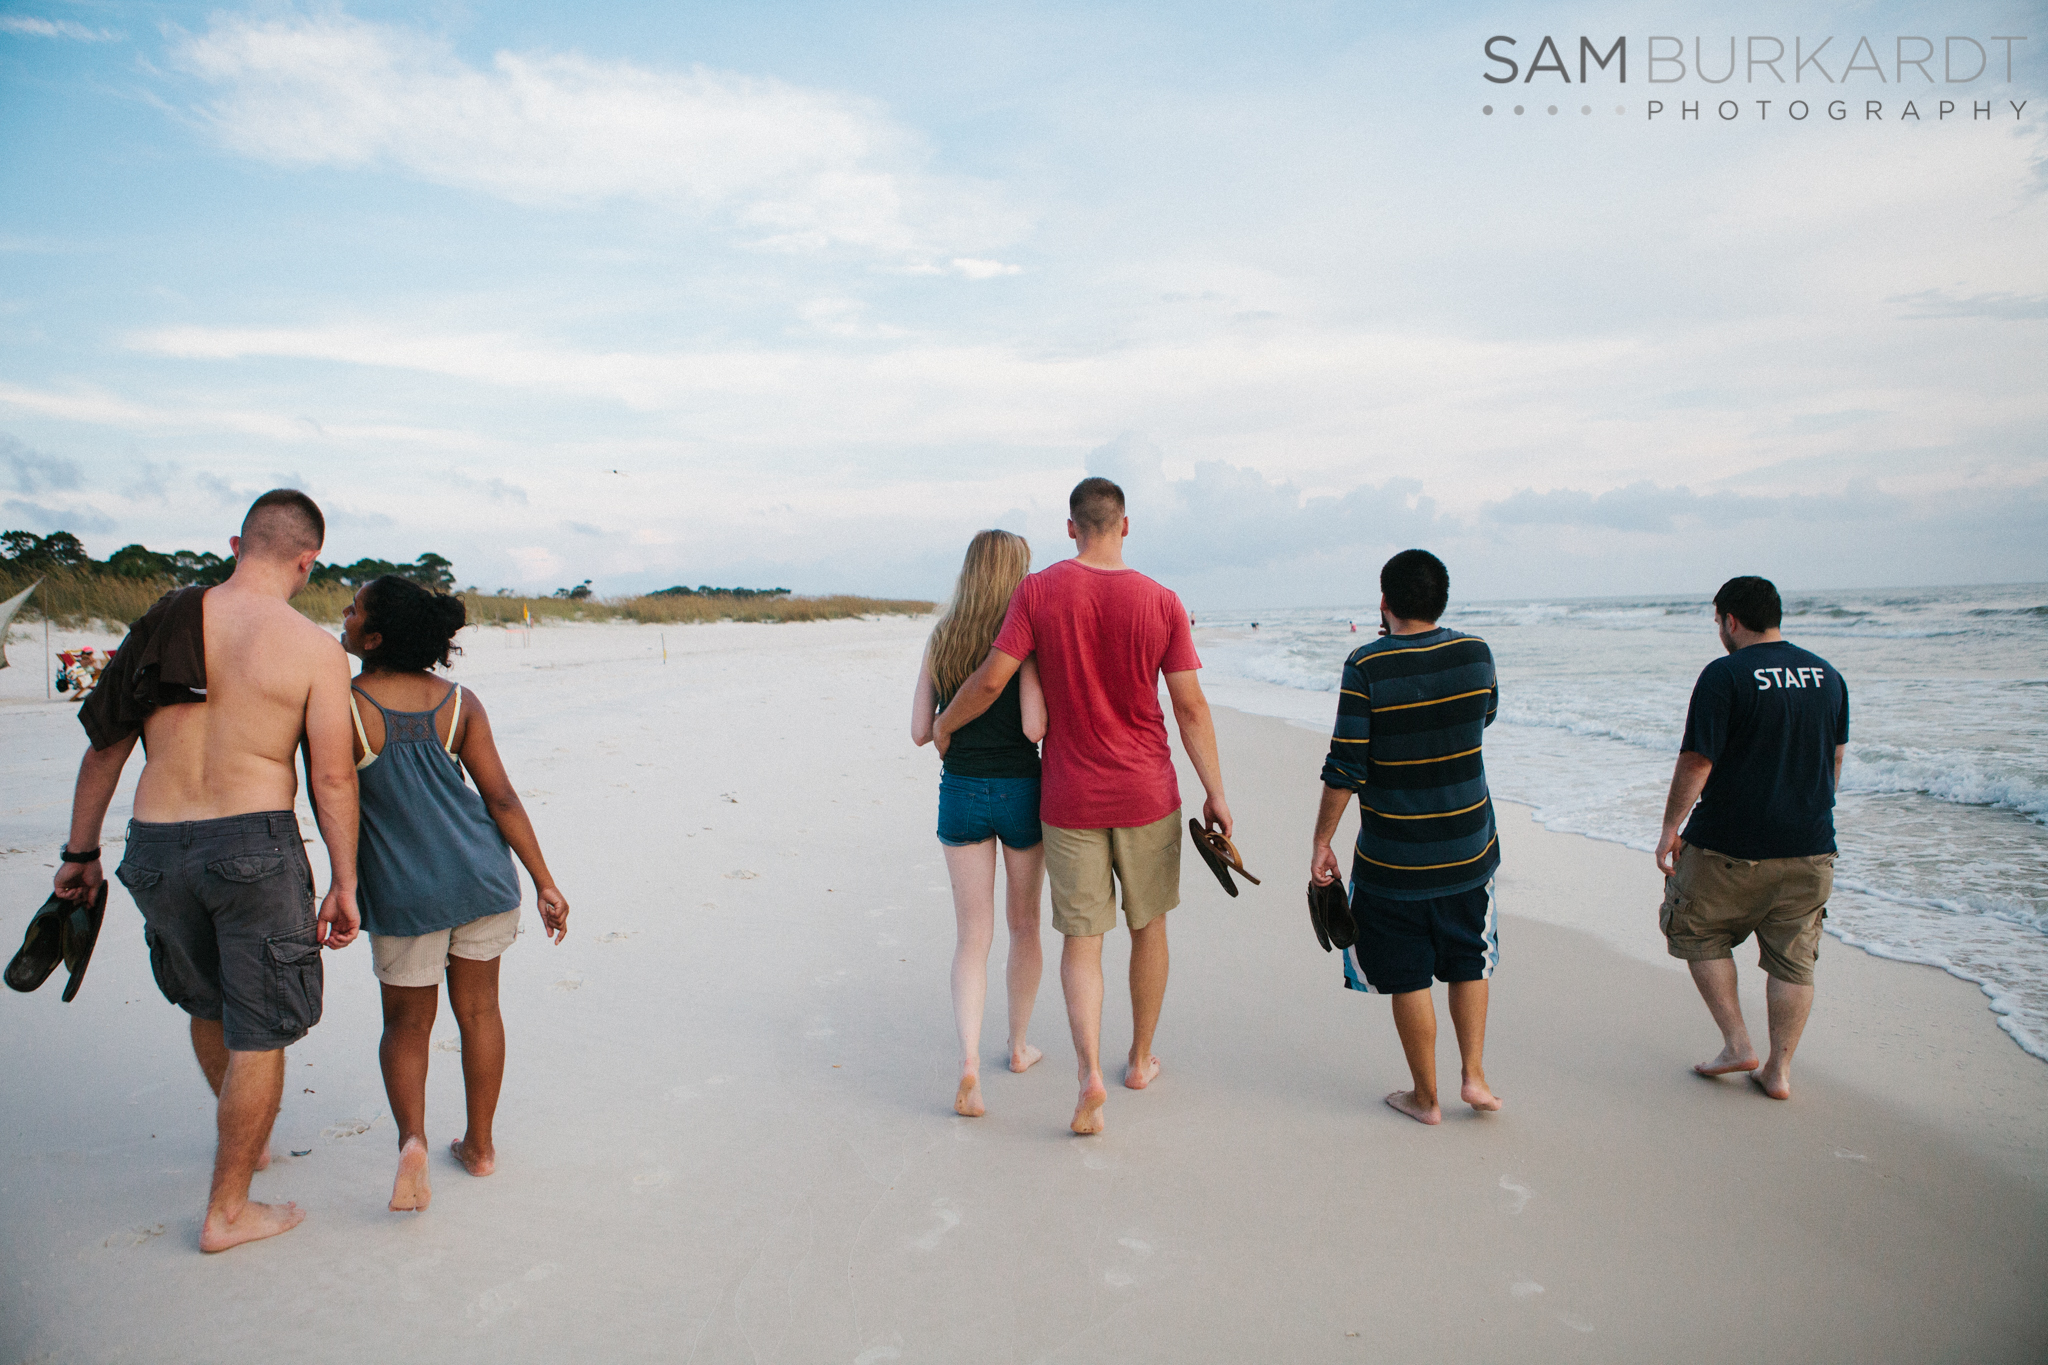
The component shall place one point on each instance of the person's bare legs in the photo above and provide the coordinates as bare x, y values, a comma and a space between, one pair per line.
972, 869
1415, 1021
473, 1000
1081, 982
1024, 870
1716, 979
1468, 1018
210, 1046
252, 1084
1148, 995
1788, 1005
408, 1037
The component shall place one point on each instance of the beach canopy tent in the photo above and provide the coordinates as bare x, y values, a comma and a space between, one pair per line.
7, 610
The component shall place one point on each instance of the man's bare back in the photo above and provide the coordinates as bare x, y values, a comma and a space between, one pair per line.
271, 676
214, 857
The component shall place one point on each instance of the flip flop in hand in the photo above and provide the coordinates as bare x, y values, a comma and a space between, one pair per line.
1220, 854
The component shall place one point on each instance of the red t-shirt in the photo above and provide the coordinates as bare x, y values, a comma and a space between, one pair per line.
1102, 637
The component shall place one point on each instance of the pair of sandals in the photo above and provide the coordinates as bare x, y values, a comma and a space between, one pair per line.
61, 931
1329, 905
1220, 854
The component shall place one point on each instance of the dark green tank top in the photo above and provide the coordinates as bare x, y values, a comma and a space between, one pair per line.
993, 743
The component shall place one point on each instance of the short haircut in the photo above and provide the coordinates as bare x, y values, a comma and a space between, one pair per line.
283, 524
1096, 505
1416, 585
1751, 600
418, 626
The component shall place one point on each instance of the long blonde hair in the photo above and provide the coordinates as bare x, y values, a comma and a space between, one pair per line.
996, 563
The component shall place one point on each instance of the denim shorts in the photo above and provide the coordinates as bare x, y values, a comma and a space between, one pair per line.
973, 810
227, 912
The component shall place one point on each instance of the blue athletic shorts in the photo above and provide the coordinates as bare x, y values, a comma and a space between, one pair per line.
1402, 944
973, 810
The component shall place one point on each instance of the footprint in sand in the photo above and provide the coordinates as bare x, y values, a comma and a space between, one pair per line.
1850, 1156
495, 1302
1120, 1277
573, 981
651, 1180
740, 874
1525, 1289
948, 1220
682, 1094
133, 1237
1575, 1322
1097, 1163
1518, 1196
874, 1355
819, 1033
447, 1045
347, 1128
616, 935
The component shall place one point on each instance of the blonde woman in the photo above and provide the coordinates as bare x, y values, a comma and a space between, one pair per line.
988, 793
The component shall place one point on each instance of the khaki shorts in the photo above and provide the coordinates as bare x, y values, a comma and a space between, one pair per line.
1145, 860
422, 959
1717, 901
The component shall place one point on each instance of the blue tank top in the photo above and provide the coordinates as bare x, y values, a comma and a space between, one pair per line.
429, 856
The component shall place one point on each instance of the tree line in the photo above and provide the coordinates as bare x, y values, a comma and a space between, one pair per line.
29, 553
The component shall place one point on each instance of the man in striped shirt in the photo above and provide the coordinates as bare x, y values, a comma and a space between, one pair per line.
1414, 706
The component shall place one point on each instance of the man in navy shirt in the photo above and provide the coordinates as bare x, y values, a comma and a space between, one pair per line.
1762, 755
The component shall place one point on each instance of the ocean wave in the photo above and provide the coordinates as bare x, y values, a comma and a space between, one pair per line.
1955, 778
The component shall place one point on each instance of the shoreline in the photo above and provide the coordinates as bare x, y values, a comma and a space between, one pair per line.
727, 1106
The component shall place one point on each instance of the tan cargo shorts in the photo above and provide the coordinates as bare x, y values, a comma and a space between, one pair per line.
422, 959
1079, 865
1715, 902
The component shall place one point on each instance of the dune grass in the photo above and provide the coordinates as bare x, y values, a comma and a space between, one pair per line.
75, 598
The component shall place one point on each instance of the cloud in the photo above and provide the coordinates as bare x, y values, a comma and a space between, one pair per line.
787, 166
1649, 508
1225, 516
2003, 306
33, 471
30, 27
37, 516
497, 490
535, 563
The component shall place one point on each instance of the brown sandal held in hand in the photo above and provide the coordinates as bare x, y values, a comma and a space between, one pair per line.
1220, 854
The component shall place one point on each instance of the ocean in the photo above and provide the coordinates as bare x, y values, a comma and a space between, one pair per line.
1942, 818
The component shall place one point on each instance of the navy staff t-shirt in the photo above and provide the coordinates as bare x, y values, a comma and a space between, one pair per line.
1768, 718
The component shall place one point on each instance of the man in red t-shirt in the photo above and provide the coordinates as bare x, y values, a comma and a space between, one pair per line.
1110, 805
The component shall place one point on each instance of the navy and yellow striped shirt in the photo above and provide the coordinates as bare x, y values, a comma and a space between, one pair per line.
1409, 723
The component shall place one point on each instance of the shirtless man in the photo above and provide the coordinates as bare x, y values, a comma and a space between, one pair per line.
214, 858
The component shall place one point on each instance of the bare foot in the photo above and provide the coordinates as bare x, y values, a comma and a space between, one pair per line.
1137, 1078
1407, 1103
476, 1162
967, 1103
1729, 1060
254, 1223
1024, 1058
1088, 1113
1777, 1087
263, 1162
1476, 1093
410, 1192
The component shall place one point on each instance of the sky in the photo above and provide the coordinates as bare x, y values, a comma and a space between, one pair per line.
804, 295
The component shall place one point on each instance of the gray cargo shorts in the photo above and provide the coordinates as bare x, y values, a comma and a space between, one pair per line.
227, 912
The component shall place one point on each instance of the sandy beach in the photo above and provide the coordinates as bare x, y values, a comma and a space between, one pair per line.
726, 1131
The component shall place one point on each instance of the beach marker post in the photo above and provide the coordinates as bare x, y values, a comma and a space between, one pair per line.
664, 649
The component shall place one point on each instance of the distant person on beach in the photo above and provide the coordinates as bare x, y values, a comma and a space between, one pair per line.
1103, 634
439, 894
1762, 758
1411, 715
988, 794
224, 685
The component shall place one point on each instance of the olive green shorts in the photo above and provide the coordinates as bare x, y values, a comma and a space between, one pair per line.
1080, 863
1715, 902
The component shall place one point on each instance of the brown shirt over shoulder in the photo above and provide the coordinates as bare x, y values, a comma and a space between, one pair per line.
162, 662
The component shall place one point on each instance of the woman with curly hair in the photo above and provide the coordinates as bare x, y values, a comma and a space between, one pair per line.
987, 794
438, 892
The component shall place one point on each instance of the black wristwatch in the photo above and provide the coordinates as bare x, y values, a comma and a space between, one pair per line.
91, 855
